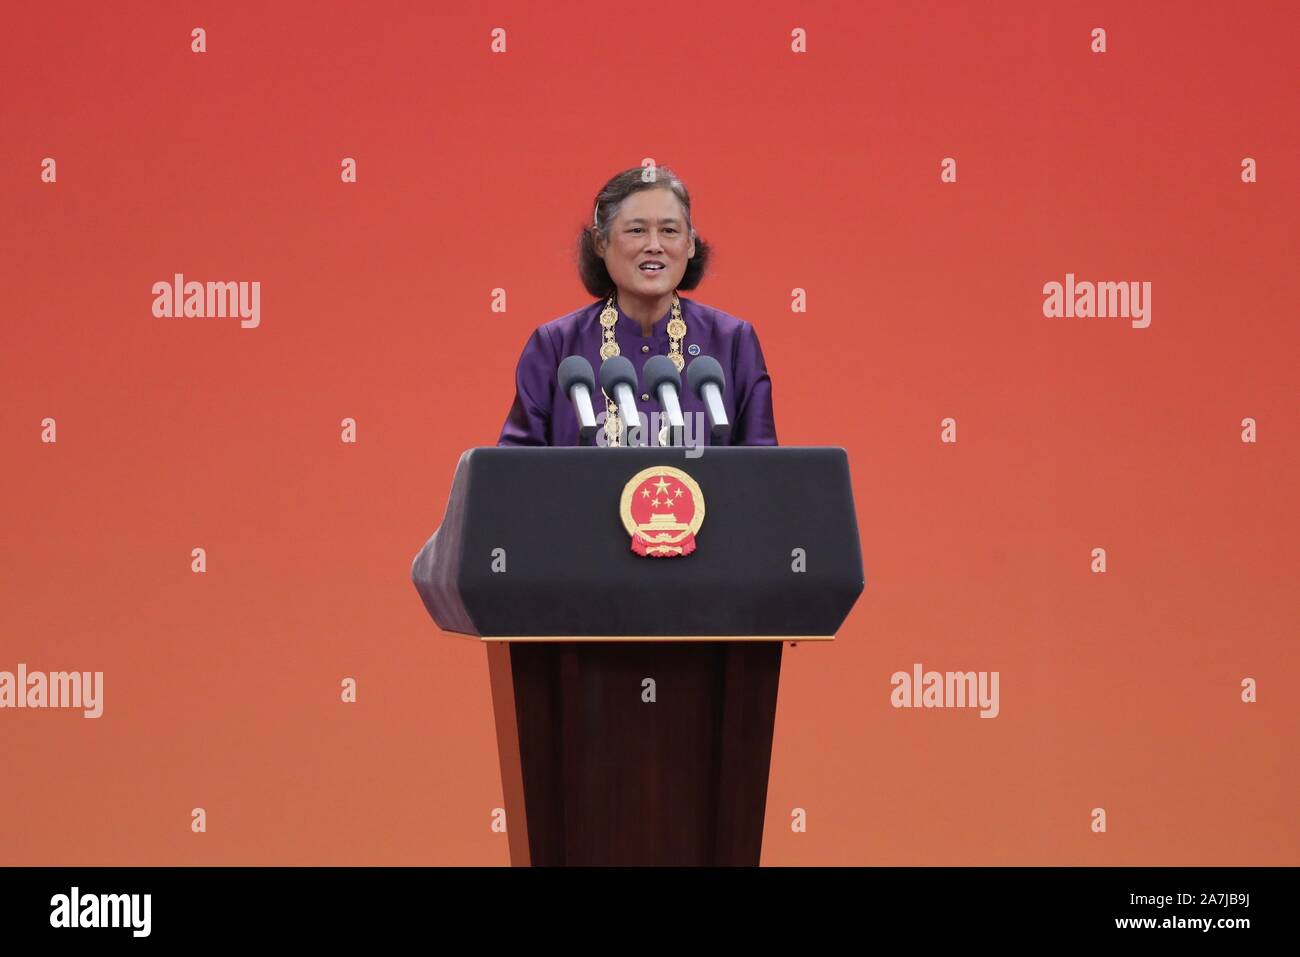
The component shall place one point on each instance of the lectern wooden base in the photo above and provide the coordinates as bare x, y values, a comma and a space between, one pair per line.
601, 767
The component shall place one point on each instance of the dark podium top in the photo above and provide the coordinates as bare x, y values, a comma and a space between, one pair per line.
533, 545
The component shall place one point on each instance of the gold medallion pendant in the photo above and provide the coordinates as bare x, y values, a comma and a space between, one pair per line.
609, 349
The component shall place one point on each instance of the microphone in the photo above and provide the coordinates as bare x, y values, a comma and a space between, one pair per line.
578, 383
618, 379
706, 380
661, 378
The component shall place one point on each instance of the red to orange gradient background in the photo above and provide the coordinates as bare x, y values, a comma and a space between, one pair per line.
817, 171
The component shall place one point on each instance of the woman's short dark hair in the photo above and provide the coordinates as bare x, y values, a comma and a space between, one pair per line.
591, 268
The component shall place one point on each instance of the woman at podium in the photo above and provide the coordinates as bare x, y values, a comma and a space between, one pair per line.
638, 253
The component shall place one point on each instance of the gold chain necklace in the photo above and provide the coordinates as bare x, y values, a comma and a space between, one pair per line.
609, 348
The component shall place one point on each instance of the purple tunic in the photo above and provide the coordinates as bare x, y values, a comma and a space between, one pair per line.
542, 415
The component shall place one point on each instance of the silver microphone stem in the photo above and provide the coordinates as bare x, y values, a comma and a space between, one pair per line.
626, 400
668, 398
582, 405
713, 400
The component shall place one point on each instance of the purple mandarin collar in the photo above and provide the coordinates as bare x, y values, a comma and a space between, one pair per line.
633, 328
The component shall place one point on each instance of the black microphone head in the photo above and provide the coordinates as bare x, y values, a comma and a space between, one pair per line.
702, 370
657, 371
575, 370
617, 370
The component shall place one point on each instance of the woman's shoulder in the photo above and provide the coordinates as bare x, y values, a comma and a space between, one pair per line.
559, 334
572, 321
719, 323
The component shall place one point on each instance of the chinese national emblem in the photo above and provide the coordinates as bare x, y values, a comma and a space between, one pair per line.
662, 509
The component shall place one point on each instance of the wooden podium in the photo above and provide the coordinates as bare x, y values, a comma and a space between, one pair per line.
635, 695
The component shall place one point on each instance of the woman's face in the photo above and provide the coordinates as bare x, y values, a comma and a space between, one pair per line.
650, 228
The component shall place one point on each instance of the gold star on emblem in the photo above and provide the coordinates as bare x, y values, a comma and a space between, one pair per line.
661, 485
